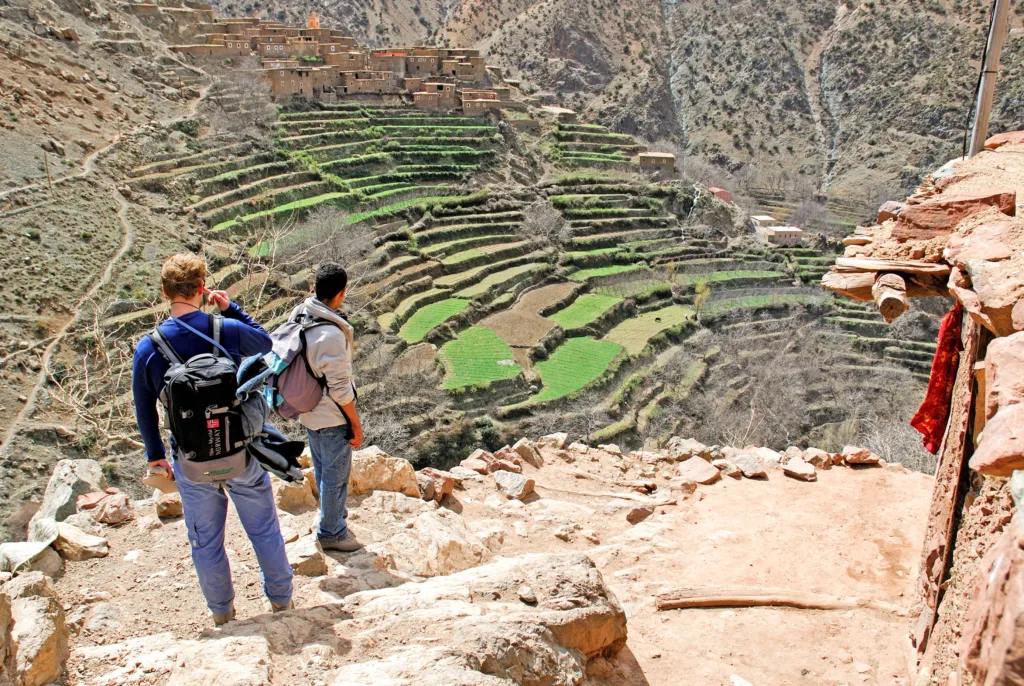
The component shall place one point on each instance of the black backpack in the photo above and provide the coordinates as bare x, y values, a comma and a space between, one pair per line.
204, 413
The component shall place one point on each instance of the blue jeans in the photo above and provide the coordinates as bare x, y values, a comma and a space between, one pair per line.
206, 509
332, 464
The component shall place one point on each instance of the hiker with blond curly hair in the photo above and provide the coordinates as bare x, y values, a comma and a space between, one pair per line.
210, 432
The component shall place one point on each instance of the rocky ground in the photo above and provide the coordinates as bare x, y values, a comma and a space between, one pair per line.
538, 565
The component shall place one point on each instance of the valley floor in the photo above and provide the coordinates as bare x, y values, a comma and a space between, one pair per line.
852, 533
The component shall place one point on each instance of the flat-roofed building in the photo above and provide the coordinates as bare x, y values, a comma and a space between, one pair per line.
720, 193
783, 235
763, 220
659, 162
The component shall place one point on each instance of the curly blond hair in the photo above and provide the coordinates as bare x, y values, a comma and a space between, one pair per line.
182, 275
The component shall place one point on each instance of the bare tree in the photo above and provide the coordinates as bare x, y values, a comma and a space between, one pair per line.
543, 222
240, 101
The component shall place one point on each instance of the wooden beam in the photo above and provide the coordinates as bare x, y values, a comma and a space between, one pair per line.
890, 294
870, 264
856, 285
689, 597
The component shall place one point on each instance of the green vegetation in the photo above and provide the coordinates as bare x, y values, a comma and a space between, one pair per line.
715, 277
757, 301
633, 334
497, 279
576, 363
427, 318
586, 274
584, 310
477, 358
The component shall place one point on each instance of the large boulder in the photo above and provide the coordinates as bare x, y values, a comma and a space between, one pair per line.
436, 543
528, 452
224, 661
1004, 373
819, 458
29, 556
296, 498
890, 209
1001, 448
375, 470
939, 217
70, 479
477, 629
435, 484
1005, 138
698, 470
684, 448
40, 640
74, 544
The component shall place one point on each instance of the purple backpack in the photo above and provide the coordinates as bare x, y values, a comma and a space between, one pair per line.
292, 387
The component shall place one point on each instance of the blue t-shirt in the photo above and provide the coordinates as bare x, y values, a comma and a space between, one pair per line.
241, 336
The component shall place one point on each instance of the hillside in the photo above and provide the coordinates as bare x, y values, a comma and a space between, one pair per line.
857, 99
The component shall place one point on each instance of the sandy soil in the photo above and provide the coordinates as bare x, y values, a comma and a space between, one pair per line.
852, 533
522, 326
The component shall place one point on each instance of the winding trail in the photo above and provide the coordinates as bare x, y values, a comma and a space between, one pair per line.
127, 241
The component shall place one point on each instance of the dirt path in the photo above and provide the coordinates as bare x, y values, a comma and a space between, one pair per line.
853, 533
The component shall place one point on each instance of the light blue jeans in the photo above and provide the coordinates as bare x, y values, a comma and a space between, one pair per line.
332, 464
206, 509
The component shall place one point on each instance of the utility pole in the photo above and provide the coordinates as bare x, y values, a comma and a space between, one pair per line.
988, 77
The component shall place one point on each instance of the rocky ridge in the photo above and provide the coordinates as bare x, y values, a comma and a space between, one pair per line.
507, 569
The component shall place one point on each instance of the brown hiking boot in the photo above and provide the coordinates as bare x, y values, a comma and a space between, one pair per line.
275, 608
348, 544
229, 616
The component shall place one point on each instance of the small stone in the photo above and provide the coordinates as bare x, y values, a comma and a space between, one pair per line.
76, 545
639, 513
699, 470
800, 469
555, 440
579, 447
528, 452
513, 486
306, 558
591, 536
861, 667
527, 595
149, 524
854, 455
750, 466
563, 533
115, 509
169, 505
819, 458
727, 468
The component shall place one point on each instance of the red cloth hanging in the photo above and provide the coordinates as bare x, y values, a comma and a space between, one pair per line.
932, 416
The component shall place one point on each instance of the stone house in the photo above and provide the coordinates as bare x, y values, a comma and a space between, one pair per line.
479, 102
657, 162
782, 235
762, 220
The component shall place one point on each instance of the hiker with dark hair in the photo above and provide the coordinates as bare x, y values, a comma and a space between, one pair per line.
333, 423
210, 431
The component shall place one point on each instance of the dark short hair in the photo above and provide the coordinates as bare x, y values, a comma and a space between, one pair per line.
331, 279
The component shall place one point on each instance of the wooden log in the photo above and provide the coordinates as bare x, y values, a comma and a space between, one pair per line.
689, 597
890, 294
870, 264
856, 285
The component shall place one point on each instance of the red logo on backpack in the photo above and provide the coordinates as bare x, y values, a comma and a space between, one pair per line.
212, 423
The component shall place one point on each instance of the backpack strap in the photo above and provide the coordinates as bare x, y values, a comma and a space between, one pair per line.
164, 347
216, 344
217, 325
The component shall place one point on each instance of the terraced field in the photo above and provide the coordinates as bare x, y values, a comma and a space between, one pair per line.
490, 322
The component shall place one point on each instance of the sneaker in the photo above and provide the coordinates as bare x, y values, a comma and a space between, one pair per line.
275, 608
346, 544
229, 616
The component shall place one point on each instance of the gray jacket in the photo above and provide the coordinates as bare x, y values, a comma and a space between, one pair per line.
329, 351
